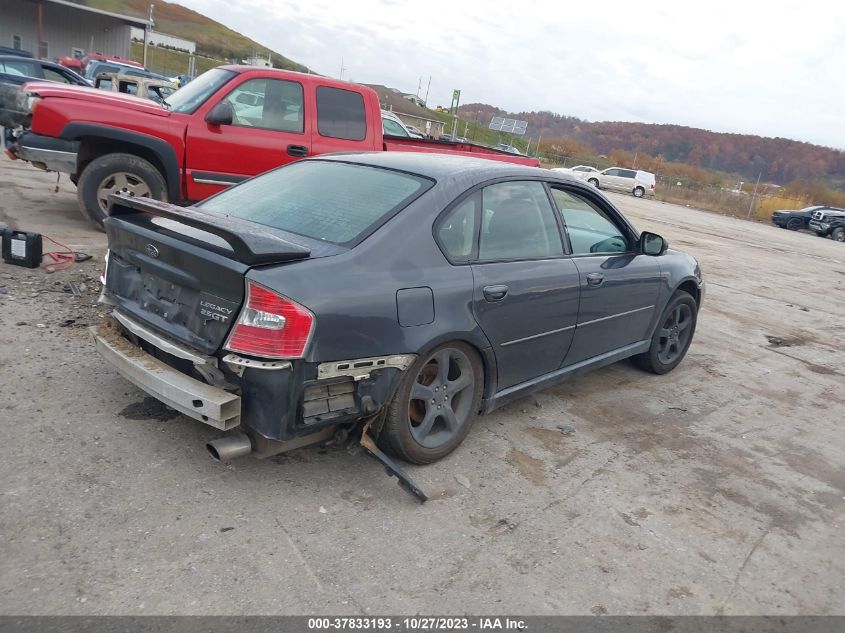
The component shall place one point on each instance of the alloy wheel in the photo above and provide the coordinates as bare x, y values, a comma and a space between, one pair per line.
675, 333
441, 398
121, 182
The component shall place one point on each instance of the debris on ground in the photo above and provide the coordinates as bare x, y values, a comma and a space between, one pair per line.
566, 429
323, 510
463, 481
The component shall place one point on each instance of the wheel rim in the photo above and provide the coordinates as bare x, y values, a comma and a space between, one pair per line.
593, 182
124, 182
638, 193
839, 236
675, 334
441, 398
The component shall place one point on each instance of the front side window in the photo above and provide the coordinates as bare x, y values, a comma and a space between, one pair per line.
341, 203
518, 222
341, 114
611, 172
54, 75
456, 232
590, 230
271, 104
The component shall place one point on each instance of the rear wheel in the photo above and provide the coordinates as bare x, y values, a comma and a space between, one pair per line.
639, 192
594, 182
114, 173
794, 224
673, 335
435, 406
838, 234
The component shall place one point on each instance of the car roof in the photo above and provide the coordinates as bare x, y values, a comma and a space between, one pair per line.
448, 167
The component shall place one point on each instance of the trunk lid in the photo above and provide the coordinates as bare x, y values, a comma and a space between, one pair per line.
181, 271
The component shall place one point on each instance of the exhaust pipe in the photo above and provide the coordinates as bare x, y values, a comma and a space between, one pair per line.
229, 447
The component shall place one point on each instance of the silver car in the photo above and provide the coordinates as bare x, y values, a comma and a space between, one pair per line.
634, 181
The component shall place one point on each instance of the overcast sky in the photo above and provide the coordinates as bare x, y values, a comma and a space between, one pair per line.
774, 68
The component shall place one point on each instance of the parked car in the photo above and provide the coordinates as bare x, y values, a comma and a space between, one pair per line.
198, 141
143, 87
96, 68
510, 149
634, 181
829, 222
5, 50
18, 70
415, 131
300, 303
392, 125
579, 171
795, 220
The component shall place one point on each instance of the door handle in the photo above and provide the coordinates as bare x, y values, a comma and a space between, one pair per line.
595, 279
495, 293
297, 150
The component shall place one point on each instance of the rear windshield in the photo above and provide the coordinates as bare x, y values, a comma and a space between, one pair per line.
341, 203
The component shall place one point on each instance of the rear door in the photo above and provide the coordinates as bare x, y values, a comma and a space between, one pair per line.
618, 287
526, 288
269, 129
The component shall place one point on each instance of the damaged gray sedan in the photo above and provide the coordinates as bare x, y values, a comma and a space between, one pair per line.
404, 293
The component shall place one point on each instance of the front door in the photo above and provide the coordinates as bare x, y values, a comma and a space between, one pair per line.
525, 288
619, 288
269, 129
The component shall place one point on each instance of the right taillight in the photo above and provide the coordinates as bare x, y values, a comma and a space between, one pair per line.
270, 325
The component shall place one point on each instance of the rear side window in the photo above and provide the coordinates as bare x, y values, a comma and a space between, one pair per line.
518, 222
456, 232
627, 173
340, 114
341, 203
19, 68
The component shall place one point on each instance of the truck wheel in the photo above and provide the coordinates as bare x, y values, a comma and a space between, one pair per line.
838, 235
672, 337
794, 224
435, 405
594, 182
639, 192
111, 173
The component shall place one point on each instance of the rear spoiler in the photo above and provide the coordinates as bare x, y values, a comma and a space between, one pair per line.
252, 244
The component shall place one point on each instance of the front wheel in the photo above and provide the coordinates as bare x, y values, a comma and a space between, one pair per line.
673, 335
114, 173
435, 405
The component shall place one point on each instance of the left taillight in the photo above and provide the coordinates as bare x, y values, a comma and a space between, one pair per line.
270, 325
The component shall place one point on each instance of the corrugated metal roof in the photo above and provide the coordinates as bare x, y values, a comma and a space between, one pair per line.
128, 19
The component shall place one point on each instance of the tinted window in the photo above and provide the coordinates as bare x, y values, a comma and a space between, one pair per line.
340, 114
54, 75
627, 173
272, 104
589, 228
456, 232
19, 68
336, 202
518, 223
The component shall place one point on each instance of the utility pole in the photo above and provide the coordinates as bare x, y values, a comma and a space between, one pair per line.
342, 68
426, 91
147, 27
753, 195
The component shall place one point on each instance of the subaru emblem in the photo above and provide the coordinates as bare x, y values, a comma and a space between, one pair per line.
152, 251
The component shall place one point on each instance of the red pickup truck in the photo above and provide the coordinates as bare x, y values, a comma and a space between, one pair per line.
229, 124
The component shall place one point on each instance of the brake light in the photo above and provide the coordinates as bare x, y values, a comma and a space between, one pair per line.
270, 325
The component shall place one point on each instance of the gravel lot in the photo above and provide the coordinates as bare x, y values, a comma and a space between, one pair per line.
719, 488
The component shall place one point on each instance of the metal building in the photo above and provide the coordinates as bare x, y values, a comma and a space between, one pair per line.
52, 28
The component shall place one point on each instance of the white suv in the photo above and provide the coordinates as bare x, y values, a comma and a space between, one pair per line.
635, 181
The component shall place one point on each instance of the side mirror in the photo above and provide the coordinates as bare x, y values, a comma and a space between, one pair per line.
221, 114
652, 244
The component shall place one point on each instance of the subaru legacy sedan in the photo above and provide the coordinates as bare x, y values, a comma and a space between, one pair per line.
407, 292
